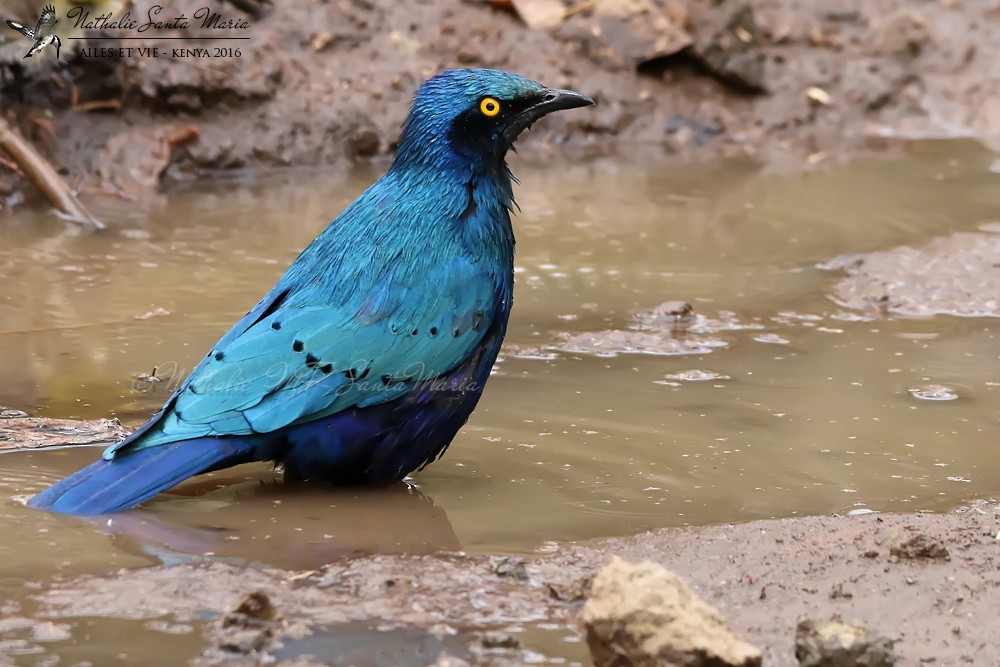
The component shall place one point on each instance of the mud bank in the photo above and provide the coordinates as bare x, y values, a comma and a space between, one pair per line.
954, 275
935, 603
802, 81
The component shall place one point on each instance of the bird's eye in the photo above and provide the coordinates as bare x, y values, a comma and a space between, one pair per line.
489, 106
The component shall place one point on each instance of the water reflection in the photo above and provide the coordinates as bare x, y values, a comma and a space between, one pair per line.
297, 526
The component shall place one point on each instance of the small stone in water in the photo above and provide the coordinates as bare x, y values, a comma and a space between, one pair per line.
933, 392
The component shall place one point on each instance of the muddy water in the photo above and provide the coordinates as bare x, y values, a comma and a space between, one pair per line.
807, 409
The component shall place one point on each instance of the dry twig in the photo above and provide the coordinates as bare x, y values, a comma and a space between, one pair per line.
44, 176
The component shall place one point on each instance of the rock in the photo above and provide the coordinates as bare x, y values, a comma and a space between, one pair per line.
626, 33
920, 546
250, 626
571, 591
495, 639
645, 615
728, 46
902, 34
673, 310
256, 606
511, 567
834, 643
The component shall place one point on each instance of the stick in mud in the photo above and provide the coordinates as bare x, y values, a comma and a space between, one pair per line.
44, 177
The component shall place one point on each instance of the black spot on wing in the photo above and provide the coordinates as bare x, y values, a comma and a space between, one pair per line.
352, 374
271, 309
219, 356
298, 345
311, 361
461, 323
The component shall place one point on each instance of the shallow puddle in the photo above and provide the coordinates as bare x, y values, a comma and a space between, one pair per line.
804, 408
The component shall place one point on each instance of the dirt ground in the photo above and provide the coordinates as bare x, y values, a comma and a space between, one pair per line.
325, 84
936, 602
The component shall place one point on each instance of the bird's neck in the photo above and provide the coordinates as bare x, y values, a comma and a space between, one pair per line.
478, 198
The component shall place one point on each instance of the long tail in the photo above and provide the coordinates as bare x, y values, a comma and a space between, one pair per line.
132, 477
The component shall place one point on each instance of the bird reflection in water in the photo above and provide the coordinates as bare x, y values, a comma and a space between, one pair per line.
295, 526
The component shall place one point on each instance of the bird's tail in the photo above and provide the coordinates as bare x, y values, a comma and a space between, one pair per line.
134, 476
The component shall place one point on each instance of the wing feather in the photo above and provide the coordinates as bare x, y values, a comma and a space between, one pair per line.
46, 20
27, 31
285, 363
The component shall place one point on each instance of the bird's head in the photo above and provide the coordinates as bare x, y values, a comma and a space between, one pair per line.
471, 117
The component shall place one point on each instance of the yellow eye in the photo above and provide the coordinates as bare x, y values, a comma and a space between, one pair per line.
489, 106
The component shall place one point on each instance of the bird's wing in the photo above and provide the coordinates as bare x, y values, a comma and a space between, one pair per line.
285, 364
46, 20
27, 31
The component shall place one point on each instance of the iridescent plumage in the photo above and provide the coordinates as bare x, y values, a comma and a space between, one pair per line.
372, 350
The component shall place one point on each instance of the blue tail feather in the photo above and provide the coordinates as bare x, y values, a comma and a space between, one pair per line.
133, 477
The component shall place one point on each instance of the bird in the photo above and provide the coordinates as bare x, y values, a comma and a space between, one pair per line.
43, 33
372, 350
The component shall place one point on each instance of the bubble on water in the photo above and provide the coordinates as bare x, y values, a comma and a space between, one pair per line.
695, 375
933, 392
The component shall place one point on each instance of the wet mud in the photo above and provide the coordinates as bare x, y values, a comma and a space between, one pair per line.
763, 576
801, 82
19, 431
956, 275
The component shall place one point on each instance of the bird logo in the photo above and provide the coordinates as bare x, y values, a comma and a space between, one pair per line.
43, 33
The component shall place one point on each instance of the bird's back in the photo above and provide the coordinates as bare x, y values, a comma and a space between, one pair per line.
394, 293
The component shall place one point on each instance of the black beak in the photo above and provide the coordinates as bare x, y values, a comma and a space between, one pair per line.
559, 100
551, 100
